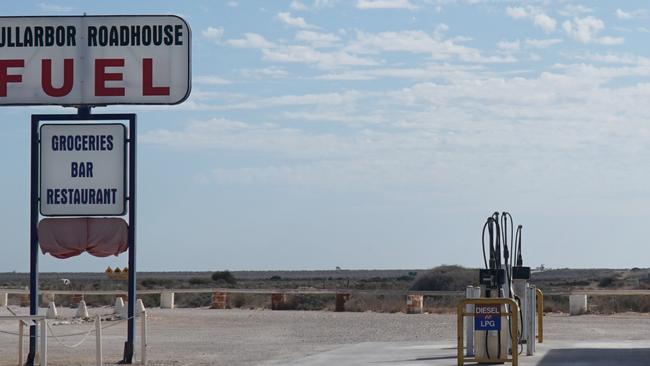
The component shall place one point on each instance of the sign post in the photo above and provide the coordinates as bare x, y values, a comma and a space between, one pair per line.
78, 159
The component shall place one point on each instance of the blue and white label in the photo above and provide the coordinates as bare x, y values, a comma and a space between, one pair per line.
487, 317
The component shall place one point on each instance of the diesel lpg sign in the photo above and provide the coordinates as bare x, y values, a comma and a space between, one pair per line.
94, 60
83, 169
487, 317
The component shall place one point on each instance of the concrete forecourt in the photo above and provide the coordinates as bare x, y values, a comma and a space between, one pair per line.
263, 337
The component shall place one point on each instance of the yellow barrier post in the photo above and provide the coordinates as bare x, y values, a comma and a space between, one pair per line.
514, 326
540, 315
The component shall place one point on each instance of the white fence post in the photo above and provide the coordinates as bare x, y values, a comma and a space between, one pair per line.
44, 342
143, 337
21, 333
98, 341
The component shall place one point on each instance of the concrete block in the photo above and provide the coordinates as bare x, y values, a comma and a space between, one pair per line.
82, 310
278, 301
219, 300
139, 307
4, 299
341, 299
24, 298
47, 297
51, 311
166, 300
118, 306
77, 298
577, 304
414, 304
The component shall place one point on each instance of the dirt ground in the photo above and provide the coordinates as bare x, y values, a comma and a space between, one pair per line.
263, 337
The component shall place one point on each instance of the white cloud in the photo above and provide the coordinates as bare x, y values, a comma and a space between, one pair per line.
385, 4
419, 42
573, 10
324, 3
299, 54
251, 40
539, 17
636, 14
516, 12
308, 55
615, 58
610, 41
298, 22
298, 6
210, 80
264, 73
509, 45
545, 22
586, 30
317, 39
55, 8
543, 43
338, 99
213, 34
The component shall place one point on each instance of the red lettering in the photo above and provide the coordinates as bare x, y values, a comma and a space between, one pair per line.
101, 76
68, 78
147, 80
6, 78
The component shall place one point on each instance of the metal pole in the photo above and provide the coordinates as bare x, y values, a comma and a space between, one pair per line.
128, 346
33, 239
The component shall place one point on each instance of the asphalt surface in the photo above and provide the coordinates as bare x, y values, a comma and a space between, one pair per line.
264, 337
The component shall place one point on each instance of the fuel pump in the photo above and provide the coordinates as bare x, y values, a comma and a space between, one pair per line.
504, 276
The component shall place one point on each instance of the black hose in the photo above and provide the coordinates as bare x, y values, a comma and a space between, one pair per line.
492, 250
495, 218
483, 242
520, 260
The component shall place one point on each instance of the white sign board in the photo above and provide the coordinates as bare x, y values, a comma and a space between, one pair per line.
94, 60
83, 169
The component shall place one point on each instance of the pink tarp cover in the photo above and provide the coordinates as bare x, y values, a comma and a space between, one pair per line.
65, 238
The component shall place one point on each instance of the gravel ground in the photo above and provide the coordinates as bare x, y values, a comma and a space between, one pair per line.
254, 337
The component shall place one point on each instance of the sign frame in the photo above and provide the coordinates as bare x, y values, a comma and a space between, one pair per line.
130, 195
55, 103
124, 167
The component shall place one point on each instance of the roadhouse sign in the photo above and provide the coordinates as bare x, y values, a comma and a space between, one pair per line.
94, 60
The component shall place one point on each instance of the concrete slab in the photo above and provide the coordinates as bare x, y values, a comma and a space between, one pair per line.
629, 353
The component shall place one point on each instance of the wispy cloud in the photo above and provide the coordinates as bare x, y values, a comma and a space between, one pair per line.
298, 22
210, 80
539, 18
213, 34
543, 43
298, 6
586, 30
55, 8
385, 4
635, 14
318, 39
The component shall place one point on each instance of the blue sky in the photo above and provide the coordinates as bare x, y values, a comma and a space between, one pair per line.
379, 134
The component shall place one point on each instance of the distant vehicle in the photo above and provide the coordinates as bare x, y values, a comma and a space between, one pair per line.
65, 281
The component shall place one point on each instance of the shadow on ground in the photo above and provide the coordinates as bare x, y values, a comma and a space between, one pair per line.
597, 357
